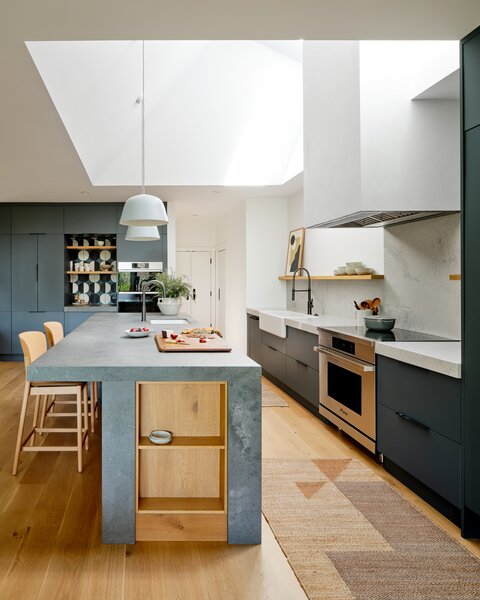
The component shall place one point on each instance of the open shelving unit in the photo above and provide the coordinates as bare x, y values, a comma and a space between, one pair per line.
181, 487
333, 277
91, 272
91, 247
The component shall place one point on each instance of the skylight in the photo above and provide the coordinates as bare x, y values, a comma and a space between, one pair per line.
217, 113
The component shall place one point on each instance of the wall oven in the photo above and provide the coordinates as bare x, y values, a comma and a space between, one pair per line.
347, 385
131, 276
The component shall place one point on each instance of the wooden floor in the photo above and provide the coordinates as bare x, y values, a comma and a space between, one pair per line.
50, 524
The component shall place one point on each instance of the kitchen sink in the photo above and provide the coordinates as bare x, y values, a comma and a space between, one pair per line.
168, 321
273, 321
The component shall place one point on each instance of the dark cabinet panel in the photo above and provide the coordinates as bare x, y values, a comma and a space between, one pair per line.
24, 272
430, 457
6, 272
299, 345
303, 380
84, 219
74, 319
120, 228
51, 267
273, 361
37, 219
471, 82
430, 398
5, 219
141, 251
254, 339
5, 332
34, 320
273, 341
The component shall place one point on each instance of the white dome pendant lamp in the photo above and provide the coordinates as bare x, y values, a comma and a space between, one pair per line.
142, 234
143, 210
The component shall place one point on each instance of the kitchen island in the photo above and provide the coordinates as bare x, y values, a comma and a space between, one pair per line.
214, 397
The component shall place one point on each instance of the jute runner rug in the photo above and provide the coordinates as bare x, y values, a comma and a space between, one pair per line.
270, 398
349, 535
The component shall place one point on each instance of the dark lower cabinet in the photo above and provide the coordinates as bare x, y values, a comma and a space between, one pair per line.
290, 362
418, 431
74, 319
6, 272
5, 332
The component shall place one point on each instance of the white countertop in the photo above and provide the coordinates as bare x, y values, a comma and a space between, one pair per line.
441, 357
312, 324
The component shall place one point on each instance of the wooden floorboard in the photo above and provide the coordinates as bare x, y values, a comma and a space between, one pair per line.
50, 523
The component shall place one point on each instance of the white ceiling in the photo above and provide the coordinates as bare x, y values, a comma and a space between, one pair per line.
216, 113
38, 161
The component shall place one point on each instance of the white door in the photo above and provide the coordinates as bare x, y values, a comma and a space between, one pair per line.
221, 273
197, 266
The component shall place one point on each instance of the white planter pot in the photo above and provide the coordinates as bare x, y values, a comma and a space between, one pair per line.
169, 306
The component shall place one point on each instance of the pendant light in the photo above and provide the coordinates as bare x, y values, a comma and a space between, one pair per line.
143, 210
142, 234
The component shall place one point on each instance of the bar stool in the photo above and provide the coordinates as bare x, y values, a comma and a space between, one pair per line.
34, 344
54, 333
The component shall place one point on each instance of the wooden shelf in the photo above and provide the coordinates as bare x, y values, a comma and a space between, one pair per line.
181, 505
455, 277
91, 247
184, 442
333, 277
91, 272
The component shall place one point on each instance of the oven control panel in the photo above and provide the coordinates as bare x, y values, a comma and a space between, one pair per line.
343, 345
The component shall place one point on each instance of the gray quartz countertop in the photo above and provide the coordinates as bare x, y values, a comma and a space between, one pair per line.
441, 357
90, 308
100, 350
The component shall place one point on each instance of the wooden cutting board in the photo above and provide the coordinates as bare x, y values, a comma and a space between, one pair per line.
216, 344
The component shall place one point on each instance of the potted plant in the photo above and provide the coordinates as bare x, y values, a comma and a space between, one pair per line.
175, 287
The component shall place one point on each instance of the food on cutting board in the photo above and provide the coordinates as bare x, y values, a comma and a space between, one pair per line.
201, 332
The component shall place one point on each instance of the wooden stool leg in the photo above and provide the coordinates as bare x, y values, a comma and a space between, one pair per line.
79, 428
21, 427
35, 419
43, 412
92, 407
96, 400
85, 414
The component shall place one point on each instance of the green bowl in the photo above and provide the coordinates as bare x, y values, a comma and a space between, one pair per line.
379, 323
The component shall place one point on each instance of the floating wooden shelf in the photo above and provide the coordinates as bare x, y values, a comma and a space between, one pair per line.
455, 277
184, 442
91, 272
91, 247
333, 277
181, 505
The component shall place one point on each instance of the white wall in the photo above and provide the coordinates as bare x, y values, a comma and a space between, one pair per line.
266, 250
172, 236
196, 232
230, 234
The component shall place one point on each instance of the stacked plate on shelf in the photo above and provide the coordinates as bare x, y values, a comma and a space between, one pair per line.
353, 268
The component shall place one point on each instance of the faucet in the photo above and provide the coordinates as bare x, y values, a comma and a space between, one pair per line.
144, 289
308, 290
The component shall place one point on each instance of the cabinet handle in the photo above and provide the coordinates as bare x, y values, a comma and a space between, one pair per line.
272, 348
194, 295
36, 272
413, 421
253, 317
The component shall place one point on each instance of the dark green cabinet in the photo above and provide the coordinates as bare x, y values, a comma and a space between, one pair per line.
74, 319
5, 332
6, 272
470, 84
85, 219
37, 218
38, 267
5, 219
143, 251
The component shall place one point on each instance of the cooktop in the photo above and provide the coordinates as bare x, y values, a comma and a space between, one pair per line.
396, 335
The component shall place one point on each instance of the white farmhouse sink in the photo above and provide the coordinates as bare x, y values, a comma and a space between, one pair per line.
168, 321
273, 321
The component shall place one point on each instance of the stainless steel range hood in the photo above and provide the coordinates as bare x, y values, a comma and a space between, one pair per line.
381, 218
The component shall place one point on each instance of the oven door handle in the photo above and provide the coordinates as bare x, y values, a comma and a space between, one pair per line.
358, 365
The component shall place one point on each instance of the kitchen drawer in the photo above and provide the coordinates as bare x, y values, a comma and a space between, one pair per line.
430, 457
273, 341
431, 398
273, 361
299, 345
33, 321
302, 379
254, 339
74, 319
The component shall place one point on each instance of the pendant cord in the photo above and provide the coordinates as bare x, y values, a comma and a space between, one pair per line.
143, 116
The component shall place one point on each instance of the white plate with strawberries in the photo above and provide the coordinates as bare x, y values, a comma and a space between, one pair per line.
138, 332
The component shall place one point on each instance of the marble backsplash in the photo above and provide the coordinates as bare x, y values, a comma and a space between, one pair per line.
417, 291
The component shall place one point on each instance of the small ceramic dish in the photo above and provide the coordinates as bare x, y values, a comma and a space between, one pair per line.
137, 334
342, 270
354, 265
160, 437
105, 267
363, 271
375, 323
100, 243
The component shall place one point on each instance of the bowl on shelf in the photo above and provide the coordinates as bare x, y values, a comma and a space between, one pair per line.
100, 243
341, 271
375, 323
363, 271
105, 267
160, 437
354, 265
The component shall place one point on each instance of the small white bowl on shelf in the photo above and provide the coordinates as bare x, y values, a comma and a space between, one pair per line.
363, 271
160, 437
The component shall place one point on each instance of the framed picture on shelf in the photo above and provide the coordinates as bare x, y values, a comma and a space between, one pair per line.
295, 251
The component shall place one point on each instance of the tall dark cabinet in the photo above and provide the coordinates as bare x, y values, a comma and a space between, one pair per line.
470, 93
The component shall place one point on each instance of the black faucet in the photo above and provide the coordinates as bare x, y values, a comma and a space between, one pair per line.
308, 290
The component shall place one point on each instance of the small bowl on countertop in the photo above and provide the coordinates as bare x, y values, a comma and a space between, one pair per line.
160, 437
137, 334
379, 323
